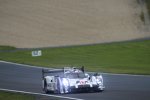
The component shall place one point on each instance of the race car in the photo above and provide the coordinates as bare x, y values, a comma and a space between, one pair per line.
70, 79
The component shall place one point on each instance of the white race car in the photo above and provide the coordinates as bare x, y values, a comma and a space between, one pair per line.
68, 80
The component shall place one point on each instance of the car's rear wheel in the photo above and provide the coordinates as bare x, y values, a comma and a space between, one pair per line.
99, 90
45, 87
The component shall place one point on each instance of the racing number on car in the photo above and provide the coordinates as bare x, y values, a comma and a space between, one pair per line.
82, 82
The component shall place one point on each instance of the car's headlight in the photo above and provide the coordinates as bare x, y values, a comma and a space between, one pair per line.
65, 82
99, 79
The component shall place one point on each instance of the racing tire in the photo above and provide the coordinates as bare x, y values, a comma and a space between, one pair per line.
99, 90
45, 87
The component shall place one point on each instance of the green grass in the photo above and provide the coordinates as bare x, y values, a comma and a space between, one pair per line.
15, 96
2, 48
127, 57
20, 96
148, 5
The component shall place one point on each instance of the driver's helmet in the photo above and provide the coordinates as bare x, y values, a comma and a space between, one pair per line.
96, 74
87, 75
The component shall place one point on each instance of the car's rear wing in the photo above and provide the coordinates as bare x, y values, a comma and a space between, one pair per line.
64, 70
73, 69
46, 71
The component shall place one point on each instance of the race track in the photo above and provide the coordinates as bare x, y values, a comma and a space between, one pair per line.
118, 87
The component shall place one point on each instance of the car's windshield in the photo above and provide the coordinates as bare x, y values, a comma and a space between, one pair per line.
75, 75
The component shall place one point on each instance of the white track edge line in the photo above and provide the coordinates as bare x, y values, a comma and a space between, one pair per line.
40, 94
38, 67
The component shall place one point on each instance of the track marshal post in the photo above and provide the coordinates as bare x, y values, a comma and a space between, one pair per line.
36, 53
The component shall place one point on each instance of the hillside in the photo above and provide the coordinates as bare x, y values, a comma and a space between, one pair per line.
48, 23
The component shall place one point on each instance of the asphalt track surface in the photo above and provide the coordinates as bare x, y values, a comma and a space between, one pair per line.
117, 87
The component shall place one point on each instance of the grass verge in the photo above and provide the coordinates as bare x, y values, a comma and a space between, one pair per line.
6, 48
15, 96
127, 57
20, 96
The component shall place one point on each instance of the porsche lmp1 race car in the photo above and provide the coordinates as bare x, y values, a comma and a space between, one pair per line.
68, 80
